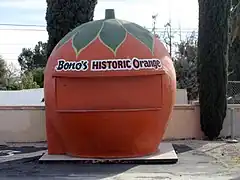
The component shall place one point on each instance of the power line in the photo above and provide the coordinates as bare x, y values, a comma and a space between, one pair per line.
44, 26
15, 44
24, 25
7, 59
8, 53
42, 30
8, 29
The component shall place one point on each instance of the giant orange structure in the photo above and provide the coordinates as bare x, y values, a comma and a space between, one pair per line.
109, 91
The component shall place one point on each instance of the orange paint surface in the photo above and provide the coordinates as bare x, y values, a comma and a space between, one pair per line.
108, 114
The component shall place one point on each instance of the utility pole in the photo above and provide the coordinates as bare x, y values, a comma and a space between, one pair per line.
180, 32
154, 19
170, 28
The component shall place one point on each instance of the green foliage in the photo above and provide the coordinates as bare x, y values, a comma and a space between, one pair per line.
235, 2
34, 61
27, 81
65, 15
235, 21
234, 49
212, 64
38, 76
13, 79
30, 59
185, 62
234, 61
3, 71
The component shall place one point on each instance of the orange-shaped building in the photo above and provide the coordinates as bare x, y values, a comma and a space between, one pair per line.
110, 88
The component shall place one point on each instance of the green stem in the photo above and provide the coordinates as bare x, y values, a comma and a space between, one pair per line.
109, 14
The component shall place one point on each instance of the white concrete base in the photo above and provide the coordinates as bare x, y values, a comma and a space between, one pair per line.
166, 154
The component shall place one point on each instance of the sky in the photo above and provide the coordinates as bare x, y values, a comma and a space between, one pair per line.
183, 14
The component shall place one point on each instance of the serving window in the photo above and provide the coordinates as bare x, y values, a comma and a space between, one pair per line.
108, 93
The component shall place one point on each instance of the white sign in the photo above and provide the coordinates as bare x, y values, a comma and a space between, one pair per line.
109, 65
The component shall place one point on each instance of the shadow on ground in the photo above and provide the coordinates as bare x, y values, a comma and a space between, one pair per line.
181, 148
30, 167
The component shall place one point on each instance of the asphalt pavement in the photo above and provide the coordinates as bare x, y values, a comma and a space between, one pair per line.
198, 160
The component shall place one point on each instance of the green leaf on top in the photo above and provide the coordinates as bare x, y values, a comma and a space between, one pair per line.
140, 33
68, 36
84, 36
112, 34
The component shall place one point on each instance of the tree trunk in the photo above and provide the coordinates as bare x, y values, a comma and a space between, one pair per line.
212, 64
62, 16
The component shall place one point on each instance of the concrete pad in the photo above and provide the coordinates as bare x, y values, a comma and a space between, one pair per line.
165, 155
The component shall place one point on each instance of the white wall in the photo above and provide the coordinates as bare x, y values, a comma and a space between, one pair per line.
181, 96
26, 97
